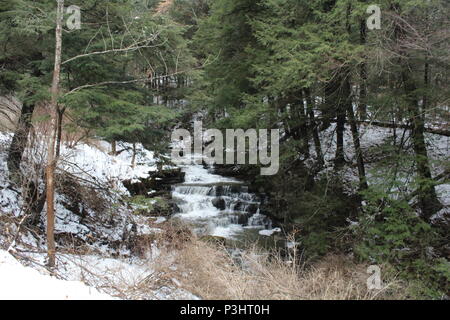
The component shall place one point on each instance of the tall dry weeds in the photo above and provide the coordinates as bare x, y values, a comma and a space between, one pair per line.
210, 272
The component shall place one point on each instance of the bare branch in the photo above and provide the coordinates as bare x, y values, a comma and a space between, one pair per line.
127, 49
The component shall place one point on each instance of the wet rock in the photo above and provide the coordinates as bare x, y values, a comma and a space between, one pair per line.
243, 219
175, 207
235, 189
219, 203
141, 187
166, 178
252, 208
160, 181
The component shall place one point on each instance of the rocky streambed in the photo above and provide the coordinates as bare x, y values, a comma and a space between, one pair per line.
211, 204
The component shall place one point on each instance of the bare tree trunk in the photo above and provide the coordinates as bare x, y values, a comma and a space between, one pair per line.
133, 159
428, 200
343, 97
297, 121
59, 131
335, 107
34, 203
329, 108
114, 148
314, 127
359, 155
426, 84
19, 141
51, 158
362, 103
304, 132
344, 102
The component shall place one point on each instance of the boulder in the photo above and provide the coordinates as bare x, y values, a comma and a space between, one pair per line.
159, 181
219, 203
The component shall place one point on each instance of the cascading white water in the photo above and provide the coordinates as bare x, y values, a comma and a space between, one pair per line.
217, 205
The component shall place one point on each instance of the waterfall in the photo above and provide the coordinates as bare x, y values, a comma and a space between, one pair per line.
217, 205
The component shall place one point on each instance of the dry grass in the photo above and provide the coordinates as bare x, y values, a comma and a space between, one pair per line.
180, 264
211, 272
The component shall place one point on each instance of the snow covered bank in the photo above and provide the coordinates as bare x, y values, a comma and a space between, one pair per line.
88, 203
101, 241
373, 140
19, 282
95, 162
91, 162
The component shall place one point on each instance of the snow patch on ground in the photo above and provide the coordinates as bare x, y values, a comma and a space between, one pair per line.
268, 233
106, 261
438, 147
94, 162
19, 282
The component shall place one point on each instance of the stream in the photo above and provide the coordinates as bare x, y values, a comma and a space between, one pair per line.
219, 206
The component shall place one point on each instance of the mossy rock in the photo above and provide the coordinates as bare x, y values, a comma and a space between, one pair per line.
150, 207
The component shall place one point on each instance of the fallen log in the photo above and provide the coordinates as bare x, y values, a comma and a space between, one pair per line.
441, 132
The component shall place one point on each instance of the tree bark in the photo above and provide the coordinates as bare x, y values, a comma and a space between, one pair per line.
314, 128
343, 97
133, 158
19, 141
337, 93
51, 157
34, 203
362, 103
59, 131
359, 155
302, 133
428, 200
114, 148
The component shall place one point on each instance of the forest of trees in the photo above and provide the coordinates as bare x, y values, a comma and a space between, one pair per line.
136, 69
303, 66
